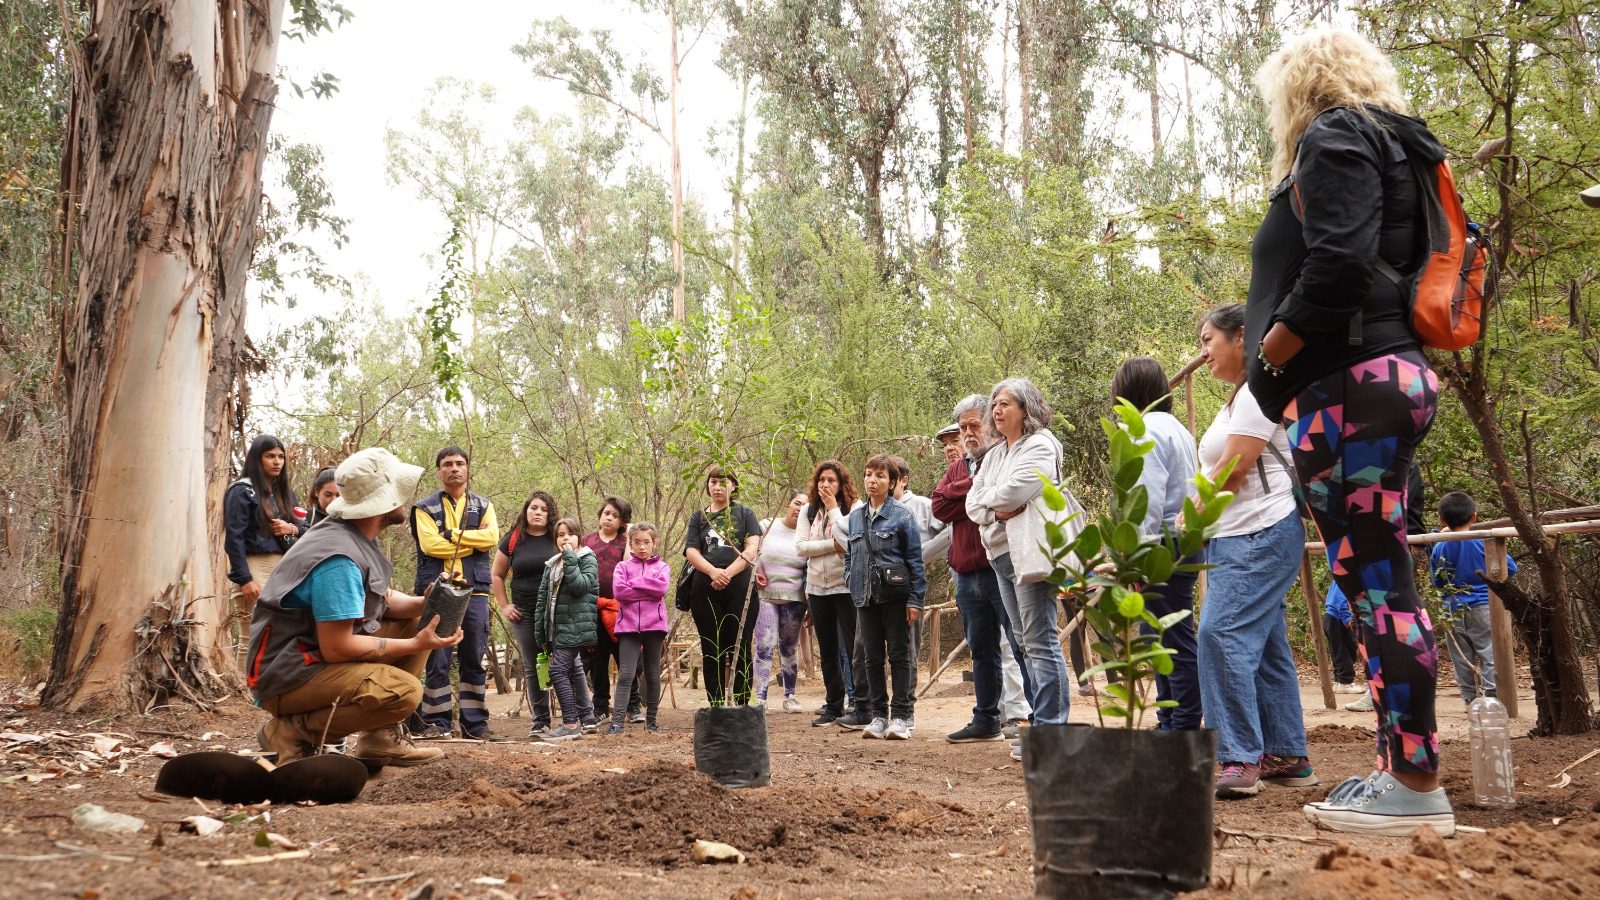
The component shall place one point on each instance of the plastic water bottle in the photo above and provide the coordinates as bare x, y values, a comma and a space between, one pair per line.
1492, 781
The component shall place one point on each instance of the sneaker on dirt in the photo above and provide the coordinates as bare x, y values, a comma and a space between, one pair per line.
824, 718
1288, 771
855, 720
790, 704
898, 730
875, 729
430, 732
564, 732
1364, 704
1236, 780
1382, 805
972, 733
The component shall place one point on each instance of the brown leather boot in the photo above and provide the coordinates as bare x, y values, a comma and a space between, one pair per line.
288, 737
391, 746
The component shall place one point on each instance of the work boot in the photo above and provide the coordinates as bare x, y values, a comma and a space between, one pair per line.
391, 746
288, 737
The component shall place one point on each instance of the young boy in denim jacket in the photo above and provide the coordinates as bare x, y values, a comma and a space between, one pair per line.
883, 567
1457, 568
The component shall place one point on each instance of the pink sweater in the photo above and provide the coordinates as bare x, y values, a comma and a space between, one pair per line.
641, 593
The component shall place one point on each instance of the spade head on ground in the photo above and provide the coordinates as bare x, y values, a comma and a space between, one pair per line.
229, 778
215, 775
324, 778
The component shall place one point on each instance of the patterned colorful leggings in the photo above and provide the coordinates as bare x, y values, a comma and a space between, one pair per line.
778, 629
1353, 434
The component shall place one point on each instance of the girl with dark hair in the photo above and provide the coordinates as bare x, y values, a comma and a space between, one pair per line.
1248, 681
721, 544
518, 570
820, 538
260, 520
1168, 478
610, 546
324, 490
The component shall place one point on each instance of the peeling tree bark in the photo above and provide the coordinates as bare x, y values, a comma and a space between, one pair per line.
172, 101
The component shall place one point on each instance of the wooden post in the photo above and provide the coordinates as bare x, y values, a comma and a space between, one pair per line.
1505, 657
1308, 590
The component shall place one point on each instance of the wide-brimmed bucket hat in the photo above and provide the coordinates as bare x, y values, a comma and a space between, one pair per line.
371, 483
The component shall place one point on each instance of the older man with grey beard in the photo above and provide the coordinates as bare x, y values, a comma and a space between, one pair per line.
977, 592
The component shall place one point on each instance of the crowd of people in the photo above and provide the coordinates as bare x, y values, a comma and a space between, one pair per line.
1329, 394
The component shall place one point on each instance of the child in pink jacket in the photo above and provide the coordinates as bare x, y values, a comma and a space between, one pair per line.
640, 585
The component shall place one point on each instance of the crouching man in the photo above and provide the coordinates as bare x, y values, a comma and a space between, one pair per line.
334, 650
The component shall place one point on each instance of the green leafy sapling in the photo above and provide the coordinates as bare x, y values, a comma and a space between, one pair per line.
1112, 564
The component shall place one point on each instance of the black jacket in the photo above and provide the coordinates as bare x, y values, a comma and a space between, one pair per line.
1351, 197
246, 533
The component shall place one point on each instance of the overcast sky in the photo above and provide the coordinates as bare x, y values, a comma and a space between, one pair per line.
388, 56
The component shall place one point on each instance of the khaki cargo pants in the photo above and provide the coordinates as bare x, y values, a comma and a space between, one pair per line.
356, 696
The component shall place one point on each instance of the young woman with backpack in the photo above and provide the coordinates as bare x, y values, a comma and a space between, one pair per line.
258, 512
1340, 287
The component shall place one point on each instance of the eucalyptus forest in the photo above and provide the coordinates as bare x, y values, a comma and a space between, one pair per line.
913, 201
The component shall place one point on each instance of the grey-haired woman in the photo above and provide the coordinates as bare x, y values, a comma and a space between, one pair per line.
1001, 492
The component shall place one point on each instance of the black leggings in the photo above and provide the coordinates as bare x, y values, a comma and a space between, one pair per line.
716, 617
605, 650
834, 616
640, 654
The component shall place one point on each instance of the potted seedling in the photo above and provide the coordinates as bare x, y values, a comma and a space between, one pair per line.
1120, 810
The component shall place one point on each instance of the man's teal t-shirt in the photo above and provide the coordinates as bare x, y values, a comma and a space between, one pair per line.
334, 591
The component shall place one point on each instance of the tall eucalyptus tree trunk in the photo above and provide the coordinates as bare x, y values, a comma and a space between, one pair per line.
171, 104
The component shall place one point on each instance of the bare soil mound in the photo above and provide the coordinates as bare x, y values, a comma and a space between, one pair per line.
651, 815
1517, 861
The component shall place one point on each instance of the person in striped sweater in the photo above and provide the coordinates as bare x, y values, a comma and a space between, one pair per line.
781, 577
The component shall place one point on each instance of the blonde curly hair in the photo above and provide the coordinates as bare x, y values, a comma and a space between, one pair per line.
1315, 72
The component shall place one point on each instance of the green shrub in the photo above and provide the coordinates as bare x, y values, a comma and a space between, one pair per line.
29, 633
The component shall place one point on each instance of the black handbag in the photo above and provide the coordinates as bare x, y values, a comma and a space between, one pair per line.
893, 582
683, 594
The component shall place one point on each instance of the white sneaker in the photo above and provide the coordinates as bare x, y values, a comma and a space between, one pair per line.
1363, 704
876, 728
898, 730
790, 704
1349, 688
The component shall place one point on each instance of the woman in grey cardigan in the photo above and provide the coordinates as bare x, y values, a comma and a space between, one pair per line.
1001, 492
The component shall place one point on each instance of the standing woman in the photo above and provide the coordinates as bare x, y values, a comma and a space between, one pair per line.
610, 546
1330, 351
258, 512
1001, 490
519, 564
721, 542
1247, 673
1168, 478
819, 540
781, 578
324, 490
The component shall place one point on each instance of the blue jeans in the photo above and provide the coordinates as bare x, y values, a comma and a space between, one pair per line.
1032, 611
1247, 674
983, 616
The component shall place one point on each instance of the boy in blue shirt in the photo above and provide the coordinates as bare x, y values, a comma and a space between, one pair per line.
1457, 568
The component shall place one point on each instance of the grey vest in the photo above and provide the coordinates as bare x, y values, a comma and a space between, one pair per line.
283, 642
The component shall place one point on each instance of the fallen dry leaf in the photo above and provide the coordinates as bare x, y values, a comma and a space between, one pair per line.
163, 749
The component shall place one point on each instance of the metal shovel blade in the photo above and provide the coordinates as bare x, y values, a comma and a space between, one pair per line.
215, 775
324, 778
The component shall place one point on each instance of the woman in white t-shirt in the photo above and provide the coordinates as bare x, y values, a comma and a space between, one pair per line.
1247, 673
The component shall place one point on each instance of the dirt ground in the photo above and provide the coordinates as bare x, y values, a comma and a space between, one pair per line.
603, 817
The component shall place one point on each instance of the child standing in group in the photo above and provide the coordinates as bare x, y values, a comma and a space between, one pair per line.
1457, 568
640, 584
565, 616
883, 566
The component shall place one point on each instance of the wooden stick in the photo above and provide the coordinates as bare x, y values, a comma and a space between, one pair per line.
255, 860
1308, 590
1591, 526
947, 661
380, 879
1271, 836
1500, 632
